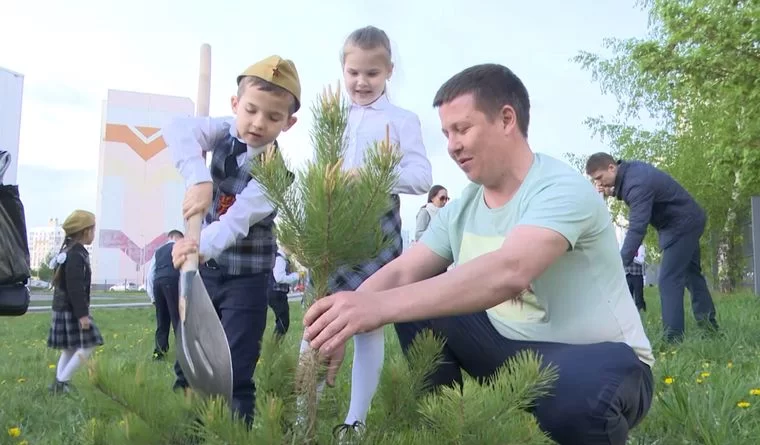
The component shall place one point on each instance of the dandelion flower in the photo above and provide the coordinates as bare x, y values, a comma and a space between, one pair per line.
706, 365
730, 364
23, 442
743, 404
51, 366
669, 380
699, 381
754, 392
21, 380
704, 374
14, 432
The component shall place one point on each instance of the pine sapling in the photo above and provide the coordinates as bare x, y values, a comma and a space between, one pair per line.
327, 218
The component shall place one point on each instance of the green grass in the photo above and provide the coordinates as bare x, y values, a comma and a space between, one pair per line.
702, 386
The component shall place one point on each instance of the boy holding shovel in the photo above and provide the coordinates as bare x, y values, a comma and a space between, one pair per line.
237, 245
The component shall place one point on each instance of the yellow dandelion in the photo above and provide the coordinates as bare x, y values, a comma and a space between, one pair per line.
730, 364
51, 366
673, 352
754, 392
669, 380
14, 432
743, 404
704, 374
699, 381
23, 442
21, 380
706, 365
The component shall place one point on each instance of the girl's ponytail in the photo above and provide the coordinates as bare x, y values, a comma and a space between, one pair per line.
57, 264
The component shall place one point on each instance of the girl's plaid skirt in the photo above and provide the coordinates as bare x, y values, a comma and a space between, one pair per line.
66, 334
350, 278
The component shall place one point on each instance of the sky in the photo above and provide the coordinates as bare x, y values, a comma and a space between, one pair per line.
72, 52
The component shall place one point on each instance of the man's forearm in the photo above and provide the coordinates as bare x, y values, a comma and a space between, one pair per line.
472, 287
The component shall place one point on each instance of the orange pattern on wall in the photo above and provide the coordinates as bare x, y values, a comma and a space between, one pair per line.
144, 143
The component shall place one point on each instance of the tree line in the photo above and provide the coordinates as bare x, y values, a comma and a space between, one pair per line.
689, 102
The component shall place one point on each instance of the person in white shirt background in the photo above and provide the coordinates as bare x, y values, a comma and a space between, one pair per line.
367, 67
162, 286
279, 286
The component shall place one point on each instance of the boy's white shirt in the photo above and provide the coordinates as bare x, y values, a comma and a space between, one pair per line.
279, 271
366, 125
150, 276
187, 139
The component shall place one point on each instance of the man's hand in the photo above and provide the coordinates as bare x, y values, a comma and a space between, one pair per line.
197, 199
181, 249
605, 191
332, 320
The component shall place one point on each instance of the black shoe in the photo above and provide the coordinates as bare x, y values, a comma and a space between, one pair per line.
59, 387
159, 355
349, 434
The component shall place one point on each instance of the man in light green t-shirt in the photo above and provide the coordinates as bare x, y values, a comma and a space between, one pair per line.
538, 268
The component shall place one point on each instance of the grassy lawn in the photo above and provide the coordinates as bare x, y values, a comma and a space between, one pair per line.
707, 388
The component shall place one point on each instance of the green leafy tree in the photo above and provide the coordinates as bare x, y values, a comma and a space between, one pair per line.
44, 272
694, 77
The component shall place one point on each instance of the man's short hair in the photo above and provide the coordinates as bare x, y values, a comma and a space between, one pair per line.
493, 86
599, 161
175, 234
264, 85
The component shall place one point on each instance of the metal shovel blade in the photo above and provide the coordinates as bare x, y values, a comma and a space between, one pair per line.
203, 352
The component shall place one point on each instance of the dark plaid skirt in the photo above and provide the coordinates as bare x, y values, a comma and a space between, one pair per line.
350, 278
66, 334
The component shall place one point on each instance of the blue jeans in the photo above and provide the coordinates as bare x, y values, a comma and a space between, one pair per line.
602, 391
681, 268
241, 303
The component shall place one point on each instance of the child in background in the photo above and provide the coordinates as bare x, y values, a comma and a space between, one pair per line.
237, 245
72, 329
367, 66
283, 277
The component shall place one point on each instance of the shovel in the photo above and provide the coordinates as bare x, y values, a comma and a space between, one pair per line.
202, 349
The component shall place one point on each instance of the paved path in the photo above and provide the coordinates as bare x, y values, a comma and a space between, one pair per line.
102, 302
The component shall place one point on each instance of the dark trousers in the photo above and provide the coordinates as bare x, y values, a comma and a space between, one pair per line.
166, 294
603, 389
636, 286
278, 301
681, 268
241, 303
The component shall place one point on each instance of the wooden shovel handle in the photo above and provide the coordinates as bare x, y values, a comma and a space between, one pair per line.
192, 231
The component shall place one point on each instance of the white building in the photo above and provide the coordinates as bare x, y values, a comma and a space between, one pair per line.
11, 92
45, 240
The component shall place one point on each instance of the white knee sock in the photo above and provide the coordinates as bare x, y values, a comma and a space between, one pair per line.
74, 363
64, 360
369, 353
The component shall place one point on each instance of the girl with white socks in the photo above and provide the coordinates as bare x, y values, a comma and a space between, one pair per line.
72, 329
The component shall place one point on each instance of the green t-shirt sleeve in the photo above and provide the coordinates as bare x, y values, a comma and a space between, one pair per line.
436, 237
567, 206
